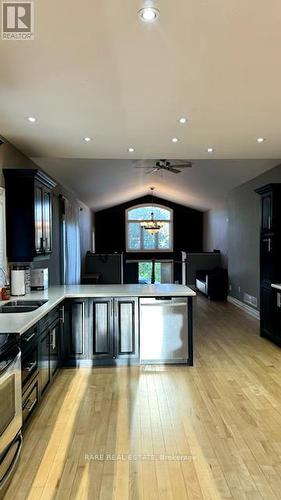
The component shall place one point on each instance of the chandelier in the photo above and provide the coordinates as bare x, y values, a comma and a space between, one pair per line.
152, 226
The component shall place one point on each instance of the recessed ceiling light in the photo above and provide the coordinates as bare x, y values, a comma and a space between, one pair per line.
183, 120
210, 150
31, 119
175, 139
260, 139
87, 139
148, 14
131, 150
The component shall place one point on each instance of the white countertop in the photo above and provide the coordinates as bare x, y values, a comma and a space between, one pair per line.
276, 285
19, 323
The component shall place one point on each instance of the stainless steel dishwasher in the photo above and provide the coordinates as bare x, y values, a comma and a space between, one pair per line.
163, 330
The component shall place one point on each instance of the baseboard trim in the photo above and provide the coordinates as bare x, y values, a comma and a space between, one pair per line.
250, 310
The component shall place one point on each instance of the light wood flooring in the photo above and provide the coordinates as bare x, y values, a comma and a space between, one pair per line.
208, 432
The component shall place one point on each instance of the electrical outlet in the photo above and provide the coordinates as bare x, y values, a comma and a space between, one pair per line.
249, 299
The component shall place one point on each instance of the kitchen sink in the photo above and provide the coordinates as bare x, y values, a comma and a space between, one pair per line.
20, 306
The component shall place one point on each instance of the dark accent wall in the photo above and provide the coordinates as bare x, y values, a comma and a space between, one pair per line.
110, 234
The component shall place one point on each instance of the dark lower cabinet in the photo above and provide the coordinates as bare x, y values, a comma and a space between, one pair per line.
49, 354
76, 329
44, 361
101, 328
102, 331
126, 328
30, 400
55, 341
270, 322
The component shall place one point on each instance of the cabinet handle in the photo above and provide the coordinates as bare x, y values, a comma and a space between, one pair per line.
278, 300
53, 342
269, 245
27, 339
62, 314
269, 222
31, 405
30, 367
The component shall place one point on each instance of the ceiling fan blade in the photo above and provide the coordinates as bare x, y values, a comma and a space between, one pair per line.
152, 171
173, 170
183, 165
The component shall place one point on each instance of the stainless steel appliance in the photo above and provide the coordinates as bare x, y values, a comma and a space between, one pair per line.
29, 373
164, 330
10, 407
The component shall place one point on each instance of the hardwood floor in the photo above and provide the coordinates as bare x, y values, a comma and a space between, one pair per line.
208, 432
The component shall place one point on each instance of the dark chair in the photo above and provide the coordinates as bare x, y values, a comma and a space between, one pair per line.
213, 283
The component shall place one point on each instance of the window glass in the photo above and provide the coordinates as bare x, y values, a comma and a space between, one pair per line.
134, 235
144, 213
139, 239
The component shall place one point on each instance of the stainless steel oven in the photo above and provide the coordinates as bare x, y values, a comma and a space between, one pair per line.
10, 409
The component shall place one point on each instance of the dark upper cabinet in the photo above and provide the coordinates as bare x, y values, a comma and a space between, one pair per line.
28, 214
266, 212
270, 207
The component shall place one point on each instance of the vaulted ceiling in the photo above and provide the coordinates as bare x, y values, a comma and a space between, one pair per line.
94, 69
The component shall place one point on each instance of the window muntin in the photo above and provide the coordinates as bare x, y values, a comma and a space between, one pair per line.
138, 239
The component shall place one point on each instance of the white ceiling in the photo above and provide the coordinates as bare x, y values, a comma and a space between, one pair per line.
95, 70
104, 183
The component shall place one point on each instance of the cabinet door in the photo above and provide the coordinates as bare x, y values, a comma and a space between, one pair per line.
101, 320
76, 324
54, 348
266, 207
267, 258
270, 313
47, 220
38, 217
126, 328
44, 361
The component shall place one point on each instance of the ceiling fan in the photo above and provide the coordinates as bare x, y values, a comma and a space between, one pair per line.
173, 166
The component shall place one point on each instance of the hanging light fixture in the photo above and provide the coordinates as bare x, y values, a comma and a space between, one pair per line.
152, 226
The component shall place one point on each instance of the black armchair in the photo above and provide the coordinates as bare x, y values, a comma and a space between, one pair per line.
213, 283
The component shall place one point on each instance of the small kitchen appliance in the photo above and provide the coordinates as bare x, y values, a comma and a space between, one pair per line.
39, 279
17, 282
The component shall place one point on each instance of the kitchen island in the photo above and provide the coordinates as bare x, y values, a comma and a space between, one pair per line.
103, 323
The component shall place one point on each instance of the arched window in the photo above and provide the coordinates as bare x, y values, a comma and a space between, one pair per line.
138, 239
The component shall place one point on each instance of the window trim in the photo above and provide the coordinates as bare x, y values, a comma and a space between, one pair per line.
151, 250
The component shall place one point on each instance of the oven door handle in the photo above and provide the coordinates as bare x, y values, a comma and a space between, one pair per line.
13, 464
11, 361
